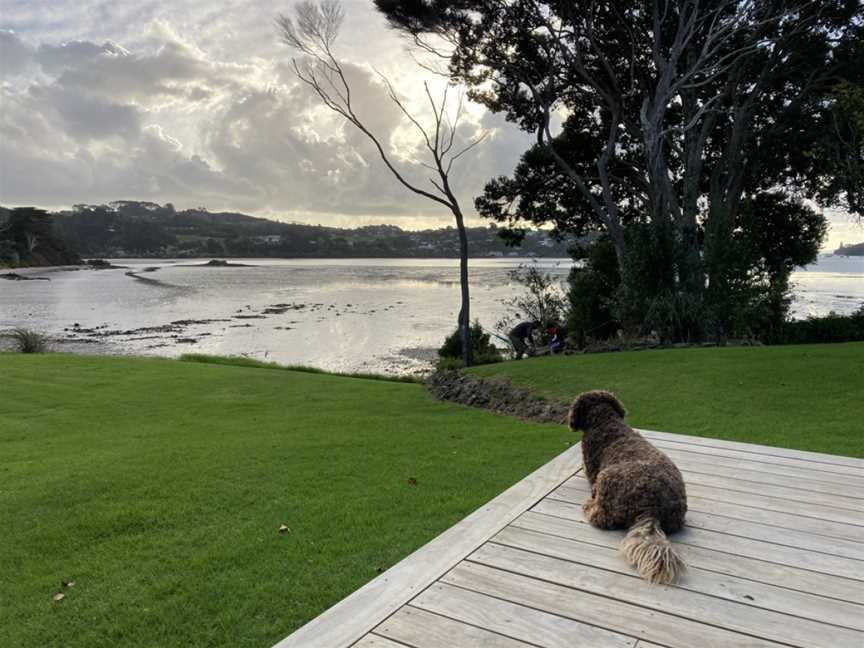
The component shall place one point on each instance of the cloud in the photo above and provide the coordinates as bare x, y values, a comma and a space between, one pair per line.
74, 54
197, 104
84, 116
16, 56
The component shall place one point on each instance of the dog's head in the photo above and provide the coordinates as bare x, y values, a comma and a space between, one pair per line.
589, 402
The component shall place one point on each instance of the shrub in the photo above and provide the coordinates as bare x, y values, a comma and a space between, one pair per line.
542, 298
481, 344
27, 341
830, 328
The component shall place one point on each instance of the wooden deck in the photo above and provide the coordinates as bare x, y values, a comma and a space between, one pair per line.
774, 541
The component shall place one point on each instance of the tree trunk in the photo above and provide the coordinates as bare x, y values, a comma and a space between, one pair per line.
694, 146
464, 311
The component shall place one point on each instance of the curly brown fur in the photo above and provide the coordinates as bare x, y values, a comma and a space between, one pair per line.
633, 486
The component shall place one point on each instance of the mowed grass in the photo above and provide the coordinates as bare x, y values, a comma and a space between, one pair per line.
159, 487
809, 397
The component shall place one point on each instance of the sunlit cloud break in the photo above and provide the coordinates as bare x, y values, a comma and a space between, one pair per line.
201, 107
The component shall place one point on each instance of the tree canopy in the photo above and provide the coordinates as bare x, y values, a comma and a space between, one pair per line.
661, 123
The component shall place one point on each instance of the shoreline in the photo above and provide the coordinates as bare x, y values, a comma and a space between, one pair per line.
189, 262
381, 316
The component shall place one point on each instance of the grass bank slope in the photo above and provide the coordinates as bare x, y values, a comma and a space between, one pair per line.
159, 487
809, 397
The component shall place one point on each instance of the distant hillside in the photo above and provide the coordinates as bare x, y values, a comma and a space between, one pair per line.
856, 249
144, 229
31, 237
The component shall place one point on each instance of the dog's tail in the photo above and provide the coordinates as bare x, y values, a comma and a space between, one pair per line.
648, 549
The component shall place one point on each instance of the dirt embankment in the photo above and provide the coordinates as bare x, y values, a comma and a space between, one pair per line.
497, 395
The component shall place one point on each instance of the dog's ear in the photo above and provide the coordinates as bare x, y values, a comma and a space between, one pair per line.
615, 403
576, 418
579, 410
587, 401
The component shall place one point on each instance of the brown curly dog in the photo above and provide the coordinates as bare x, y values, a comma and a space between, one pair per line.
633, 486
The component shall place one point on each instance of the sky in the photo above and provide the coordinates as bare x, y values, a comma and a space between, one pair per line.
196, 103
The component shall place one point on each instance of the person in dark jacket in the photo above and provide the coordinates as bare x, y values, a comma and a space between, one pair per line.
520, 335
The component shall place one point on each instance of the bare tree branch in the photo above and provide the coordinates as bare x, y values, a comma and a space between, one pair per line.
313, 32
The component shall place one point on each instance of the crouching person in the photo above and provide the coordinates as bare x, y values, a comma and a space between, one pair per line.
520, 337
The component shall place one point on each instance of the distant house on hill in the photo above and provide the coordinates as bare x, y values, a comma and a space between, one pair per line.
856, 249
268, 239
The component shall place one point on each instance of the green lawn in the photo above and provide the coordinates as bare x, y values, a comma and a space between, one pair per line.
809, 397
159, 488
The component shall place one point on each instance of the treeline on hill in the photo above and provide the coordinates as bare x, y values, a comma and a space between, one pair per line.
856, 249
145, 229
32, 237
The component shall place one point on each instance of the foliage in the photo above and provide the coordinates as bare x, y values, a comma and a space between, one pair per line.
837, 156
678, 116
485, 352
542, 298
591, 294
540, 192
796, 396
30, 237
159, 486
750, 296
28, 341
829, 328
645, 303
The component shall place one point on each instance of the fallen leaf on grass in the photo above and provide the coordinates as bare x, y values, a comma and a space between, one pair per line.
412, 481
66, 583
59, 596
284, 529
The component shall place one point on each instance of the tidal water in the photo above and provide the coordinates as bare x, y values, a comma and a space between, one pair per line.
378, 315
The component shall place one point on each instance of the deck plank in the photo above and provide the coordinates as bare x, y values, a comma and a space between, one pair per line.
576, 491
522, 623
730, 588
421, 629
737, 484
600, 611
697, 607
761, 571
787, 537
758, 549
373, 641
838, 473
804, 476
820, 512
753, 448
827, 528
